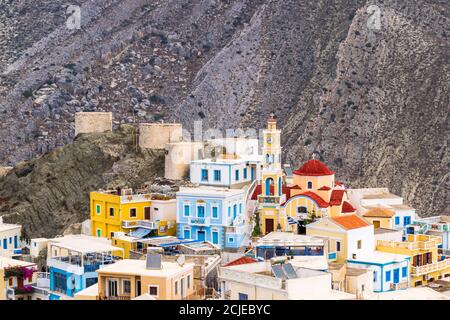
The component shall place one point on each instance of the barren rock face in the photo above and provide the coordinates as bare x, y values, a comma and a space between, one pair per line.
362, 83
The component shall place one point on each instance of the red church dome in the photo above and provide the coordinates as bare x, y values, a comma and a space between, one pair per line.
313, 168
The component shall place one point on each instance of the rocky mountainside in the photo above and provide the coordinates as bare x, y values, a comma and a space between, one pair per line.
362, 83
51, 192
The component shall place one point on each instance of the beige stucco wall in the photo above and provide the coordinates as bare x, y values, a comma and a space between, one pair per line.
157, 135
89, 122
254, 292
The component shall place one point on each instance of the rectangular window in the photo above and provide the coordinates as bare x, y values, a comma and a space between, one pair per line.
99, 233
406, 220
201, 211
240, 207
236, 175
176, 287
98, 208
204, 175
404, 272
188, 282
229, 211
215, 237
388, 275
217, 175
186, 210
215, 212
111, 212
397, 221
10, 240
374, 276
359, 244
132, 212
338, 246
153, 290
245, 173
126, 286
243, 296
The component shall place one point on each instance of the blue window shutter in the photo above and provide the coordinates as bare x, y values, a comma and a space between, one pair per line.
388, 275
245, 173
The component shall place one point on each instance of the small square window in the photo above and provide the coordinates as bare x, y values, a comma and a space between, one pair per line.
111, 212
153, 290
98, 209
133, 212
359, 244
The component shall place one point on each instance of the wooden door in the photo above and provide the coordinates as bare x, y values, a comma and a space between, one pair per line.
269, 225
147, 214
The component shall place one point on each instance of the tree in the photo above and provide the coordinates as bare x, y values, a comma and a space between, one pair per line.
257, 229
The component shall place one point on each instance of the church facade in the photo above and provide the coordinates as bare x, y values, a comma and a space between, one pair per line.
314, 192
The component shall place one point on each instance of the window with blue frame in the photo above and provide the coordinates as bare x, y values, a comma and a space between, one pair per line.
215, 237
59, 282
217, 175
406, 220
229, 211
245, 173
215, 212
375, 276
10, 240
5, 244
388, 275
404, 272
186, 210
236, 173
187, 234
397, 221
204, 175
201, 211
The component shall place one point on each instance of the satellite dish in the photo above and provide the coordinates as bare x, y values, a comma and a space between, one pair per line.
181, 260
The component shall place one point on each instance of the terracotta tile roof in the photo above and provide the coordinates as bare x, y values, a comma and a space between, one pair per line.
379, 213
324, 188
241, 260
313, 168
351, 221
347, 207
338, 183
336, 197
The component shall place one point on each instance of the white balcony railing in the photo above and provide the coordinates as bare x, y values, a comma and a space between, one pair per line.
431, 267
129, 224
198, 221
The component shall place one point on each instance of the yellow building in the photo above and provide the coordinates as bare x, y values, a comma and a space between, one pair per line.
128, 279
348, 236
380, 217
314, 191
13, 280
121, 211
426, 263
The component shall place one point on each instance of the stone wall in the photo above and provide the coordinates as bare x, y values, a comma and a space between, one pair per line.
88, 122
156, 135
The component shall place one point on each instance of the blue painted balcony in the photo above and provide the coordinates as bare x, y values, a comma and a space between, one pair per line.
332, 256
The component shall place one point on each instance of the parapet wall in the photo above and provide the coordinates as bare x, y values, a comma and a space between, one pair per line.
89, 122
157, 135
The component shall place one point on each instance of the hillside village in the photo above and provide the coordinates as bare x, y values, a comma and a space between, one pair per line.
234, 223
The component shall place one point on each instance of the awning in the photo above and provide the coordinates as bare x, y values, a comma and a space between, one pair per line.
140, 233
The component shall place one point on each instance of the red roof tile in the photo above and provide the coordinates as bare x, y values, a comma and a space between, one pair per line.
313, 168
351, 221
325, 188
338, 183
336, 197
241, 260
347, 207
